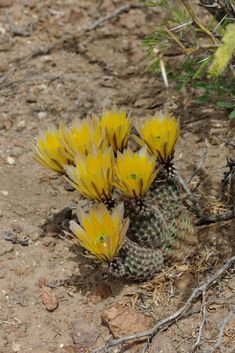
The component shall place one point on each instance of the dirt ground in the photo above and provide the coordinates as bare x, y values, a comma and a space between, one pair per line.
50, 71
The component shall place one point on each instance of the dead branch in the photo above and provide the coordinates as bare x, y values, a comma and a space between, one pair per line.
220, 9
195, 203
198, 23
217, 346
208, 219
9, 236
227, 318
114, 14
199, 164
167, 322
233, 188
227, 142
225, 216
202, 323
204, 219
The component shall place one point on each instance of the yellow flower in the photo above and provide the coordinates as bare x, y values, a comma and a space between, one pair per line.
101, 233
160, 135
82, 135
117, 126
135, 171
49, 151
92, 175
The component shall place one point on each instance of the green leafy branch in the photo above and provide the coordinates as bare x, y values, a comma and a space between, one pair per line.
185, 50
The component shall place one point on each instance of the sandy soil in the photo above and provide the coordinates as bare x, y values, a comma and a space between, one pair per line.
84, 73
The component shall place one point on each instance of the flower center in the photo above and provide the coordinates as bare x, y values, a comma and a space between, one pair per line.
133, 176
101, 238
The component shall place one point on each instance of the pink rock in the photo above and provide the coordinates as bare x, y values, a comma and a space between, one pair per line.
5, 3
123, 320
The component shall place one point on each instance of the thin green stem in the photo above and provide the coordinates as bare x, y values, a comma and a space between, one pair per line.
174, 37
197, 22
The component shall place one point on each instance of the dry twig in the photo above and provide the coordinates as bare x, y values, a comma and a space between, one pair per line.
219, 8
199, 164
227, 142
225, 216
9, 236
114, 14
227, 318
198, 23
204, 219
192, 198
202, 323
208, 219
217, 346
165, 323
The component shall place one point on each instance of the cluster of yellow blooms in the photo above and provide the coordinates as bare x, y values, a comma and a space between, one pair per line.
93, 156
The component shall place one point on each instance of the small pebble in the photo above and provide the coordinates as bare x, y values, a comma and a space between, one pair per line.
2, 30
10, 160
3, 65
16, 347
42, 115
4, 192
69, 187
31, 99
21, 124
42, 87
46, 58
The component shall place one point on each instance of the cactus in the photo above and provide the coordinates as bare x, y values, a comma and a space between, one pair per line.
147, 226
91, 154
166, 196
135, 262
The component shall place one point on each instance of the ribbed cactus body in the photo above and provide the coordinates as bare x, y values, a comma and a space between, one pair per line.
166, 196
135, 262
182, 240
160, 229
147, 225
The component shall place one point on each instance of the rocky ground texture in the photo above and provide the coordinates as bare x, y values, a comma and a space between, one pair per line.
57, 64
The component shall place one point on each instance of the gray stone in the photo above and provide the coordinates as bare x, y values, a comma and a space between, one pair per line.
84, 333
